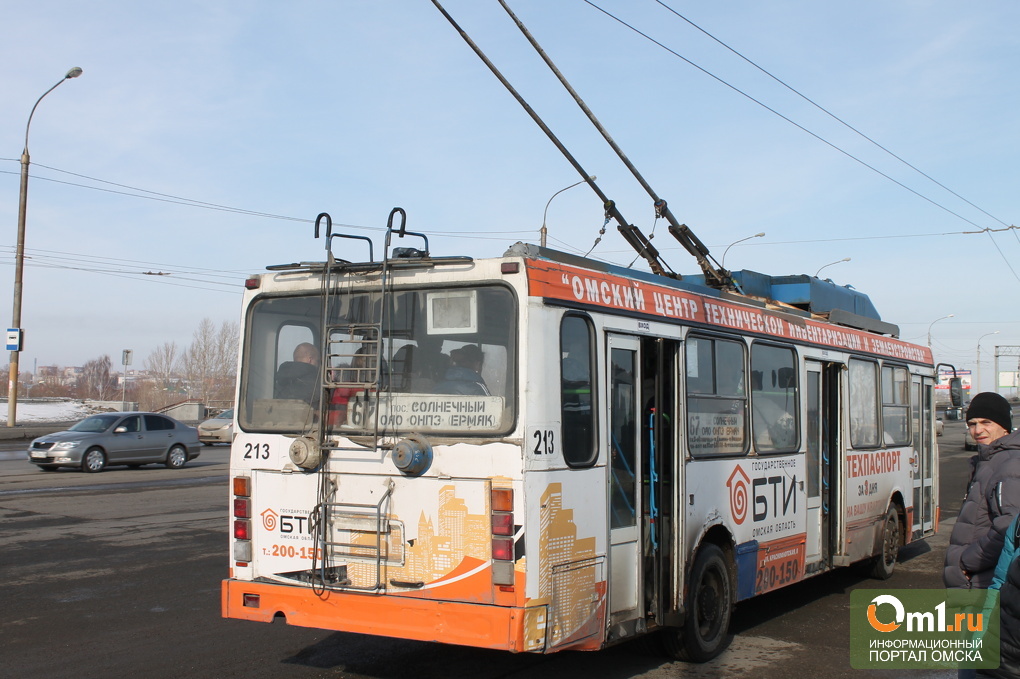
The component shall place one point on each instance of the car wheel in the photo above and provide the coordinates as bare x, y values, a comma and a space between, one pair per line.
176, 458
885, 562
93, 461
705, 632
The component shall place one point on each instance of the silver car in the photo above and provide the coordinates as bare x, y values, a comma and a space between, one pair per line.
219, 429
132, 438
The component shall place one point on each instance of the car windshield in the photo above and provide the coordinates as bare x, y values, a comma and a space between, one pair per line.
95, 424
225, 415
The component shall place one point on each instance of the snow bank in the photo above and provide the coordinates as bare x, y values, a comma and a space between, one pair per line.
47, 411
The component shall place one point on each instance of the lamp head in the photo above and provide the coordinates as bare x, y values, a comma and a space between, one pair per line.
74, 72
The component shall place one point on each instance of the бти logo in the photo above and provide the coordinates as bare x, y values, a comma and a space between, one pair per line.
269, 519
737, 483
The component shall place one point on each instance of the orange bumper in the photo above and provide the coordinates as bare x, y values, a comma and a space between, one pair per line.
466, 624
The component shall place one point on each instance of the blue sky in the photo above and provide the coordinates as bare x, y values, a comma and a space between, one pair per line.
356, 106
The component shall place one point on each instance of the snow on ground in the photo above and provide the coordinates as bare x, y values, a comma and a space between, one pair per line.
35, 412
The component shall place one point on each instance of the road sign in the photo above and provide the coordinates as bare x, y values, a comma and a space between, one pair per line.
14, 339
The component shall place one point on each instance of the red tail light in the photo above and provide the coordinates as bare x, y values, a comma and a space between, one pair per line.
502, 524
503, 549
242, 507
242, 529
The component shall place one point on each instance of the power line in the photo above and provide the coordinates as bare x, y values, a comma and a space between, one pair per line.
777, 113
831, 114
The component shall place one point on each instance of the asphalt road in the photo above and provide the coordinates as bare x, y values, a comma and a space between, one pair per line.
118, 575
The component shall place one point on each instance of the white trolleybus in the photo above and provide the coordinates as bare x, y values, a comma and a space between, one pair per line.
541, 452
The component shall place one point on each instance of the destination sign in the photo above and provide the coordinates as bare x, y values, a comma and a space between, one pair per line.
559, 281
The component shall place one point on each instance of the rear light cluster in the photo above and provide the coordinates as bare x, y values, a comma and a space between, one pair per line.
242, 520
502, 513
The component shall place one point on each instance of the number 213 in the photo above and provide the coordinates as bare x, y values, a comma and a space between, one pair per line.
544, 442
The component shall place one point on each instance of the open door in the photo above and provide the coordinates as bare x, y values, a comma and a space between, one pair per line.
822, 392
923, 461
625, 473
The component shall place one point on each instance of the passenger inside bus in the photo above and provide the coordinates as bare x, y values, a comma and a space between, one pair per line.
464, 377
299, 379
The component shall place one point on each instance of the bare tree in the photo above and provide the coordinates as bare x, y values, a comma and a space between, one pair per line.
163, 366
96, 381
210, 364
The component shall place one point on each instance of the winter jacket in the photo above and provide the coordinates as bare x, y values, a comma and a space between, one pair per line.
993, 499
1007, 581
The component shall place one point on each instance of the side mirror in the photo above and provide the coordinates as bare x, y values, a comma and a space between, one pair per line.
956, 391
120, 430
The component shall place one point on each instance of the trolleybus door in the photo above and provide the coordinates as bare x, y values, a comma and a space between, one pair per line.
821, 431
924, 454
624, 474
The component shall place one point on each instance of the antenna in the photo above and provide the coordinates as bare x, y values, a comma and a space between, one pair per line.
715, 275
630, 233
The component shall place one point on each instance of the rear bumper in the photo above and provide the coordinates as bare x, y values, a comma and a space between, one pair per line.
465, 624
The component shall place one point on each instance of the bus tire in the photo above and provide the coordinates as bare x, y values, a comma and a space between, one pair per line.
709, 605
884, 563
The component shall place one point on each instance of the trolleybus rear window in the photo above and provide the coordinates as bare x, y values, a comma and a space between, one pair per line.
445, 363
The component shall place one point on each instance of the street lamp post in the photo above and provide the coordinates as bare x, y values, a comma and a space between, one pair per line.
545, 231
978, 361
722, 264
840, 261
19, 260
933, 323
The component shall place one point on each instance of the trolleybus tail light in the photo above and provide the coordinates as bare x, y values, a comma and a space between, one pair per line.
242, 508
502, 523
242, 486
502, 499
501, 504
242, 519
242, 529
503, 549
509, 267
252, 282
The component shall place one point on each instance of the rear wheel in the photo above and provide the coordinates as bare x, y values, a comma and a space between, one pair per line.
176, 458
93, 461
709, 603
885, 562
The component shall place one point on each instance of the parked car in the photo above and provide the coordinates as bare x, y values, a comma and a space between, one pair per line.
219, 429
131, 438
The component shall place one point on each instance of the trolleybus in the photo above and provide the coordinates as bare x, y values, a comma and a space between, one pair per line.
539, 451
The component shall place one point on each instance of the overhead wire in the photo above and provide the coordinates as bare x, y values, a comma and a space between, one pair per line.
811, 133
830, 113
777, 113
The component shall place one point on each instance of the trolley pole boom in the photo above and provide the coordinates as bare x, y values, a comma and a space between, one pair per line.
630, 233
715, 275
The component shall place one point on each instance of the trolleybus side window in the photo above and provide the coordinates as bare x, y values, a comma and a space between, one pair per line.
896, 405
716, 397
774, 399
864, 429
577, 368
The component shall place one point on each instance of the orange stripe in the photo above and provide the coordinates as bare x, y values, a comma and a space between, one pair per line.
450, 622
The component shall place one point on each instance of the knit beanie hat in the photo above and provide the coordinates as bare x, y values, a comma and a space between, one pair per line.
990, 406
